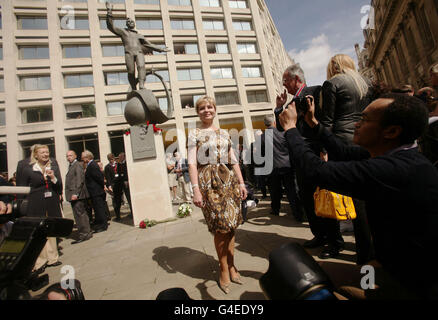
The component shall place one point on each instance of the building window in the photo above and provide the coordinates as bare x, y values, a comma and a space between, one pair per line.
78, 80
162, 46
214, 48
113, 50
2, 84
1, 53
190, 74
162, 102
246, 48
32, 23
237, 4
118, 23
116, 78
26, 145
33, 52
251, 72
76, 23
117, 142
213, 24
116, 108
190, 101
2, 118
257, 96
222, 73
149, 24
3, 157
242, 25
38, 114
209, 3
182, 24
79, 111
76, 51
35, 83
85, 142
147, 1
154, 79
179, 3
226, 98
185, 48
113, 1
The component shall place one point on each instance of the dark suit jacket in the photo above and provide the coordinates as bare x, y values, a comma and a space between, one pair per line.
94, 180
122, 170
38, 204
109, 175
75, 182
401, 194
21, 165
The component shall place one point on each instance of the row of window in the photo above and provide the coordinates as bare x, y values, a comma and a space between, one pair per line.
42, 82
112, 50
203, 3
81, 23
115, 108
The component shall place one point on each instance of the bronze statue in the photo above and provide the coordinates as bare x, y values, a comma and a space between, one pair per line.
136, 46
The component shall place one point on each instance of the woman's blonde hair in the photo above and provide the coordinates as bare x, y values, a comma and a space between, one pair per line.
35, 152
344, 64
205, 99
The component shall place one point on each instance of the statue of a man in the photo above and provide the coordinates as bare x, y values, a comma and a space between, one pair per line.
135, 48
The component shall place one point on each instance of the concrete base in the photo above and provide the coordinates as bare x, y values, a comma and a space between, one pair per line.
148, 184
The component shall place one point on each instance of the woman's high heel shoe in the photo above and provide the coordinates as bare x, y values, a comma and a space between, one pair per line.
237, 279
224, 287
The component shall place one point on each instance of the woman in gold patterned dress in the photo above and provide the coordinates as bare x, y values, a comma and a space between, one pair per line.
218, 187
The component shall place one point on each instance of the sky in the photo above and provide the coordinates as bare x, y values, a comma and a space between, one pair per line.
315, 30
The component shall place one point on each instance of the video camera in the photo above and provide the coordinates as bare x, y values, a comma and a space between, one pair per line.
20, 250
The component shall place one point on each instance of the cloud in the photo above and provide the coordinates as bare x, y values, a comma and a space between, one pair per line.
314, 59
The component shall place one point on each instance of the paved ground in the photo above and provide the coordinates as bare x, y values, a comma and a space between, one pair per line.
129, 263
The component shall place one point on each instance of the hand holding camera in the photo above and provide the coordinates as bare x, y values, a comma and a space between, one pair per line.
304, 106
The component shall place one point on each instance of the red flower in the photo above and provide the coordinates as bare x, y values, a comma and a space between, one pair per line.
127, 132
142, 225
155, 128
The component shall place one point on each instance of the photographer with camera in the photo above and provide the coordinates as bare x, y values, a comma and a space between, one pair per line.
397, 183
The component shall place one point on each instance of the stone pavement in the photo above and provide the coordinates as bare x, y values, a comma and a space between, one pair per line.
130, 263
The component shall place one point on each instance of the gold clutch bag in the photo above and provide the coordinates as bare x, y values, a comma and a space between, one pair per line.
333, 205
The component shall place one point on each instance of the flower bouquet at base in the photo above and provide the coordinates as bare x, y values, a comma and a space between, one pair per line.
146, 223
184, 210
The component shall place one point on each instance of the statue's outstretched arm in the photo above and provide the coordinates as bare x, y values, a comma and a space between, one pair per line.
110, 22
148, 44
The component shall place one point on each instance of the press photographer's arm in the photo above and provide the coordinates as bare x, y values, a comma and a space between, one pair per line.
5, 208
289, 116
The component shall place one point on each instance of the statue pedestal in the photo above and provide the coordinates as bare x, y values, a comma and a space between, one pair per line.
150, 195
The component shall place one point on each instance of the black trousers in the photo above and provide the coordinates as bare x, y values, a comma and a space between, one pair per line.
321, 228
99, 212
81, 217
279, 178
261, 184
120, 188
362, 234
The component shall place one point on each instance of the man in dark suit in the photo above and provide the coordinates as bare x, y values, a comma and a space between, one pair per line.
283, 173
76, 193
94, 181
397, 183
121, 185
325, 231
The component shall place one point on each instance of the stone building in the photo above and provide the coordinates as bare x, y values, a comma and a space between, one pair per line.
63, 79
402, 41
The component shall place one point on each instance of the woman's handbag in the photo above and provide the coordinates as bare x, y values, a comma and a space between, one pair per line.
333, 205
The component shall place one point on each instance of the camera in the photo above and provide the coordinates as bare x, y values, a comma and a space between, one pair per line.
20, 250
302, 105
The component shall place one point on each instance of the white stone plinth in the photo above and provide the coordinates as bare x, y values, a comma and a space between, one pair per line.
148, 184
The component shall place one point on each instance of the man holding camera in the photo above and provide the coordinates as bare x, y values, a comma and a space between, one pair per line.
398, 184
325, 231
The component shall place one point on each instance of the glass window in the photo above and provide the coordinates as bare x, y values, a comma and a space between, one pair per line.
77, 51
213, 24
226, 98
116, 108
38, 114
251, 72
149, 24
221, 48
209, 3
242, 25
33, 52
113, 50
35, 83
77, 23
182, 24
185, 48
32, 23
189, 74
2, 117
163, 73
1, 53
246, 48
117, 141
222, 73
112, 1
78, 80
85, 142
116, 78
163, 104
257, 96
2, 84
118, 23
195, 74
191, 48
237, 4
179, 3
80, 111
146, 1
